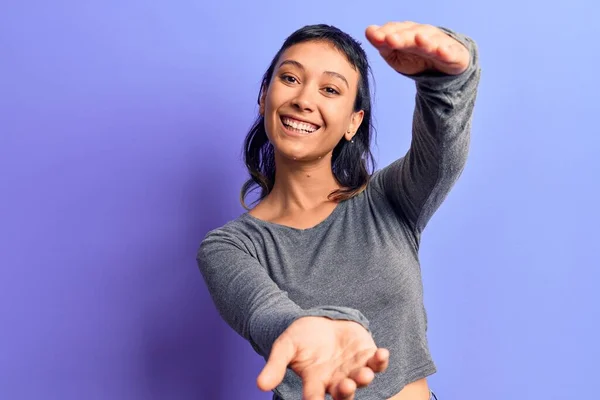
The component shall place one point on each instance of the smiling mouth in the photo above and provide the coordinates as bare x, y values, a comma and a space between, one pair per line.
299, 126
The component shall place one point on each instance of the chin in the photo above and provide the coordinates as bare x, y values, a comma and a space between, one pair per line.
293, 153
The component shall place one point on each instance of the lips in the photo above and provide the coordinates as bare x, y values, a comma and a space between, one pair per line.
298, 125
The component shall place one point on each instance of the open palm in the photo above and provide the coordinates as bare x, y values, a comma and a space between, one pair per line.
335, 357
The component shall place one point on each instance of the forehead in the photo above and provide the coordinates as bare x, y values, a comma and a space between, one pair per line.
319, 56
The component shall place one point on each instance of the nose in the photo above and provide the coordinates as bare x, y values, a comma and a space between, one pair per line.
303, 101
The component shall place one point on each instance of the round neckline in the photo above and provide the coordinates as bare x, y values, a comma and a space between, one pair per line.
319, 225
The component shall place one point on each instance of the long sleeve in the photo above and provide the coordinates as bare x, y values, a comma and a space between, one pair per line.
418, 183
248, 299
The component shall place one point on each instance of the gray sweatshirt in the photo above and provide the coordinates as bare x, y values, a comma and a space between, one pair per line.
361, 263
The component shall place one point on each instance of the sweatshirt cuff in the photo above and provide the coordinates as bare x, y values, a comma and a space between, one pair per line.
271, 326
339, 314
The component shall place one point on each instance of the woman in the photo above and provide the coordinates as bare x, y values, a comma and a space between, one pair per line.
322, 276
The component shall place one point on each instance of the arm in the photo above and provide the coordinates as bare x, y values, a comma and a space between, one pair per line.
248, 299
417, 183
327, 354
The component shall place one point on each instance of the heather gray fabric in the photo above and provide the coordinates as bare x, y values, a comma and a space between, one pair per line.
361, 263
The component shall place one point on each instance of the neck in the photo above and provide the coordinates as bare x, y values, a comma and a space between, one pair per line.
301, 186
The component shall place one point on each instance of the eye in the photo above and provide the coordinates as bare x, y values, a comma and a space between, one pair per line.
331, 90
288, 79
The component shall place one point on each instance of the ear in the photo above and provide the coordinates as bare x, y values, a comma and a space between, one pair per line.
261, 101
355, 121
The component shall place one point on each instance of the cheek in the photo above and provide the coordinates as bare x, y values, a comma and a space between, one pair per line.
276, 95
273, 101
269, 114
336, 117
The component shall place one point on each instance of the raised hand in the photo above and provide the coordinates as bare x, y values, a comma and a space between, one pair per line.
335, 357
411, 48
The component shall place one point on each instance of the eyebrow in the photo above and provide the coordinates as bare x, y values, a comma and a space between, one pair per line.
301, 67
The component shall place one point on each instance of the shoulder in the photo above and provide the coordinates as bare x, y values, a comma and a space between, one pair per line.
234, 235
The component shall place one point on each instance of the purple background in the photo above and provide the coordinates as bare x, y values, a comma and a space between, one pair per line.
121, 124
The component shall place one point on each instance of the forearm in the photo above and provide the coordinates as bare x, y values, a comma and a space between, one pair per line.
420, 181
248, 299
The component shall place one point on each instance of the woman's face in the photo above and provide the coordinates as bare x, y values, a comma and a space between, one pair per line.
309, 104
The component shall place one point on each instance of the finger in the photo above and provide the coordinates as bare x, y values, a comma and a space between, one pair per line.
402, 32
362, 376
444, 52
426, 43
375, 36
397, 27
409, 29
402, 40
420, 39
345, 390
313, 386
380, 360
272, 374
451, 51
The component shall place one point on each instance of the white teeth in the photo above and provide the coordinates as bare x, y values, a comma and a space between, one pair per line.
299, 125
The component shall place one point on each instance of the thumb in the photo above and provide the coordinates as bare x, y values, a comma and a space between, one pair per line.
385, 52
282, 353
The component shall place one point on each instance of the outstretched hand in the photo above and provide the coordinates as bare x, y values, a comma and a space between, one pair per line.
335, 357
411, 48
